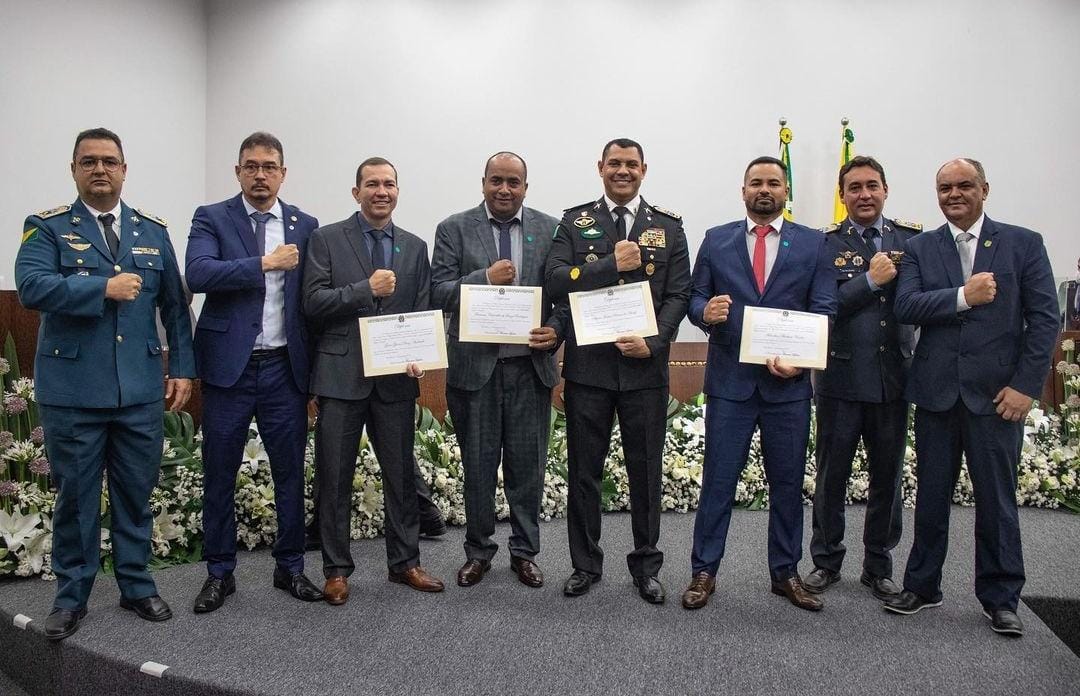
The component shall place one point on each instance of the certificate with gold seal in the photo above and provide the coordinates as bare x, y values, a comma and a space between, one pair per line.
801, 339
601, 316
498, 313
389, 342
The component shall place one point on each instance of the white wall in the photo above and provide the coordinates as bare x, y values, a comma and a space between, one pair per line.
137, 67
437, 86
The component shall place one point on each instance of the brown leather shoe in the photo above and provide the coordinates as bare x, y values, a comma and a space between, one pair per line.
697, 595
793, 589
418, 579
336, 590
528, 572
472, 572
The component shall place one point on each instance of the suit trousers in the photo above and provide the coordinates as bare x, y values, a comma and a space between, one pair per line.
507, 420
391, 428
990, 447
729, 429
125, 443
590, 414
883, 430
266, 392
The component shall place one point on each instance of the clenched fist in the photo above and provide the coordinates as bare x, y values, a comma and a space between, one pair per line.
382, 283
284, 258
123, 287
501, 272
627, 256
716, 311
882, 269
980, 289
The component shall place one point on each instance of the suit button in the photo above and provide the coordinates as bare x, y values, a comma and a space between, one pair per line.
832, 353
621, 281
116, 268
882, 299
883, 322
881, 349
119, 339
79, 261
56, 351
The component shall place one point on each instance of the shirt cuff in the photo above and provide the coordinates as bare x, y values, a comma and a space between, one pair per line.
961, 303
874, 287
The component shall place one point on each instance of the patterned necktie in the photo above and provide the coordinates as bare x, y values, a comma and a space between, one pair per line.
759, 255
620, 220
110, 234
504, 237
260, 230
868, 235
963, 245
378, 257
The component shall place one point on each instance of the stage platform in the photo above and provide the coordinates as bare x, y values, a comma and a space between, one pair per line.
500, 637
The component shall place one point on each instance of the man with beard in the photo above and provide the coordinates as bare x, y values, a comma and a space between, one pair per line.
861, 393
759, 261
983, 294
618, 239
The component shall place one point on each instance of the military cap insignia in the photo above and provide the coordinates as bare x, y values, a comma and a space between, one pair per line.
46, 214
909, 225
29, 235
154, 218
831, 228
584, 221
575, 273
670, 214
839, 262
653, 237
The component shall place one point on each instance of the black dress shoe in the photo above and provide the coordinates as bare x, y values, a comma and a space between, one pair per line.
907, 602
579, 583
297, 585
213, 593
61, 623
880, 586
1005, 622
152, 608
819, 579
472, 572
650, 589
528, 573
432, 527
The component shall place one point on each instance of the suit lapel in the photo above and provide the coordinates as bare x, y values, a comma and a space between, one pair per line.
739, 240
988, 246
603, 218
783, 247
950, 256
87, 227
127, 231
641, 220
483, 231
352, 234
242, 223
288, 221
528, 248
890, 241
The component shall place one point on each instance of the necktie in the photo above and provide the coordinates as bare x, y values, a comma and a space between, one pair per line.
110, 234
759, 255
869, 234
260, 229
620, 220
504, 237
378, 258
963, 245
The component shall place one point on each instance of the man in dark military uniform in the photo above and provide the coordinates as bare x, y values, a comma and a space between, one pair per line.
861, 393
612, 241
98, 271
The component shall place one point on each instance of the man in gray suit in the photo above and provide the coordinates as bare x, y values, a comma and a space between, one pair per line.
361, 267
499, 394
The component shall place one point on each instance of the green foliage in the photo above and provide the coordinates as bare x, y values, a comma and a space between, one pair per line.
180, 436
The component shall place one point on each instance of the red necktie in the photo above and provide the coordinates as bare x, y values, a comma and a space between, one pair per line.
759, 255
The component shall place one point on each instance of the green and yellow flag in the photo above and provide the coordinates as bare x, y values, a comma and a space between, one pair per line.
847, 150
785, 157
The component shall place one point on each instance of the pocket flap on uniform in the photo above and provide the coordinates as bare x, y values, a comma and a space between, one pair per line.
210, 323
70, 258
59, 350
147, 261
154, 346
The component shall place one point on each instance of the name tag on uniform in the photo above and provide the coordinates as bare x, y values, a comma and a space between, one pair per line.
146, 250
653, 237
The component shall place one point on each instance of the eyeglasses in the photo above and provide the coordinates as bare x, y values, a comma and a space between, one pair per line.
252, 169
89, 164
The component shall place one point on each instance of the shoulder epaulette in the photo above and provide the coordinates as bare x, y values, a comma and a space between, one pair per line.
670, 214
580, 206
909, 225
151, 216
831, 228
45, 214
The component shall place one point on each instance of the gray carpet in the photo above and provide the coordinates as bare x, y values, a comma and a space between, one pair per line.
501, 637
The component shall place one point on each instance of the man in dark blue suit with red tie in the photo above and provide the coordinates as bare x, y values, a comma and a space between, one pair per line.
251, 352
983, 294
760, 261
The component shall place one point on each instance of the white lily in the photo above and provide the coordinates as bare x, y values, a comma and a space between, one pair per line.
18, 528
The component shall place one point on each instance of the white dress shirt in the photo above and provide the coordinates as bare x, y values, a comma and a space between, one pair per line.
631, 215
772, 242
973, 245
101, 228
273, 314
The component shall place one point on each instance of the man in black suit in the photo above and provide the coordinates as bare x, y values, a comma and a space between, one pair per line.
611, 241
861, 393
983, 294
499, 394
361, 267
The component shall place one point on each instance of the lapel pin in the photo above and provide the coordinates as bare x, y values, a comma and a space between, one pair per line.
75, 220
787, 243
987, 243
397, 250
136, 233
528, 239
135, 219
293, 218
292, 227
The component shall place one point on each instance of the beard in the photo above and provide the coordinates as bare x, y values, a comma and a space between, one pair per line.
766, 205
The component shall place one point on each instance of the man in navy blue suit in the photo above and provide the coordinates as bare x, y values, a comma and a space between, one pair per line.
251, 352
983, 293
759, 261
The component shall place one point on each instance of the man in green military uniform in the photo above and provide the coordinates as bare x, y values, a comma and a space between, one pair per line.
98, 271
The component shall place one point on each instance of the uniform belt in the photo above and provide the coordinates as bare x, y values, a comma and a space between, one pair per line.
267, 353
513, 358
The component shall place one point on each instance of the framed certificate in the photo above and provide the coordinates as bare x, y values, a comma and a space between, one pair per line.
601, 316
390, 341
800, 338
498, 313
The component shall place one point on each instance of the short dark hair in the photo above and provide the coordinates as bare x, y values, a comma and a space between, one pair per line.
262, 139
507, 153
624, 143
861, 161
373, 162
765, 159
97, 134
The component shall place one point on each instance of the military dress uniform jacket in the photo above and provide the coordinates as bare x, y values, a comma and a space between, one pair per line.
869, 350
582, 258
94, 352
